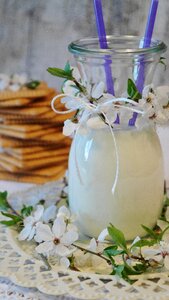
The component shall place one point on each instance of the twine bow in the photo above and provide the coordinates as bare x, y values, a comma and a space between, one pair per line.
92, 109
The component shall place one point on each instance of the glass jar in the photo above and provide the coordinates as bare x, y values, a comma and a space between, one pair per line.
138, 196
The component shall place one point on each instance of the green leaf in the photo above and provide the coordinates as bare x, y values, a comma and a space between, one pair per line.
132, 91
32, 84
4, 205
117, 237
13, 217
112, 251
151, 233
131, 270
140, 268
119, 270
60, 73
68, 69
143, 243
26, 210
8, 223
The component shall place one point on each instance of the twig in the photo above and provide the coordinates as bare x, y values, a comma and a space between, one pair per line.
92, 252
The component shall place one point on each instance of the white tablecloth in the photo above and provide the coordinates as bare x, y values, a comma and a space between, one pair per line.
8, 290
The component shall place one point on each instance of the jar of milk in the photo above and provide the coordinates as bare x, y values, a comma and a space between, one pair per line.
130, 156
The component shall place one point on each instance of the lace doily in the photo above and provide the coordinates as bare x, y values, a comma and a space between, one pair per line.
19, 264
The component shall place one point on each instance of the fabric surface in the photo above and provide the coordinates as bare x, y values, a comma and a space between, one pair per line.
8, 290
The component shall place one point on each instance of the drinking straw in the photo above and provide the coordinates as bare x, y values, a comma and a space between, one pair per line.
146, 44
103, 43
147, 41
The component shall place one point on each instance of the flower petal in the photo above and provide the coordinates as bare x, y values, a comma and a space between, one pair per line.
38, 212
62, 250
28, 220
146, 90
136, 240
72, 227
25, 232
103, 235
70, 88
45, 247
43, 233
32, 233
49, 213
64, 261
59, 227
69, 237
69, 127
63, 212
93, 245
98, 90
150, 253
70, 103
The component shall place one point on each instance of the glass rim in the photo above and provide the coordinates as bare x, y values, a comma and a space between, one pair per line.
79, 47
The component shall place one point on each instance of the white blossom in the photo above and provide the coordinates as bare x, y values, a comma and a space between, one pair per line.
69, 218
69, 127
49, 213
14, 87
13, 83
71, 103
30, 222
148, 93
56, 240
70, 88
102, 236
19, 79
98, 90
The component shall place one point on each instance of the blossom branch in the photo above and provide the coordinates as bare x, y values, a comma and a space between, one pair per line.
92, 252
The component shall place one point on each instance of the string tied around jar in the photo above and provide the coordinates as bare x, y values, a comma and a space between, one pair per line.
90, 110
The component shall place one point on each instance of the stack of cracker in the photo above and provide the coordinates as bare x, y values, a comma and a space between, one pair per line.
33, 148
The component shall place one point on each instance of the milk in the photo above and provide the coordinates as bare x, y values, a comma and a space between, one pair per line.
138, 196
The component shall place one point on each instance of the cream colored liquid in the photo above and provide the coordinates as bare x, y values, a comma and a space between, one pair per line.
138, 195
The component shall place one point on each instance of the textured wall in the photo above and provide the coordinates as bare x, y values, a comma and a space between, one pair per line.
34, 34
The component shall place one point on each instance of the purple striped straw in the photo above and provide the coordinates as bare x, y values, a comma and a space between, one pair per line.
146, 44
147, 41
103, 43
